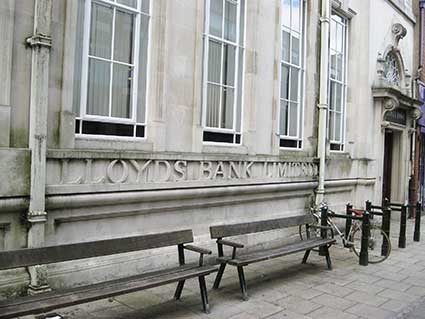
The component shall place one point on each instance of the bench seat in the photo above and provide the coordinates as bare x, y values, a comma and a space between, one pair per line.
288, 249
56, 299
222, 233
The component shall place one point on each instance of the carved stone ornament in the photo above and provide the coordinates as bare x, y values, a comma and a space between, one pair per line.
399, 32
390, 104
416, 113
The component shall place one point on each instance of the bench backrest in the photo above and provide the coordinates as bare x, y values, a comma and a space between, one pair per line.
52, 254
221, 231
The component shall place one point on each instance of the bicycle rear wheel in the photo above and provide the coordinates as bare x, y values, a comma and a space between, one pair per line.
376, 239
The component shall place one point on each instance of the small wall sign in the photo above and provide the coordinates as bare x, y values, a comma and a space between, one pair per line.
398, 116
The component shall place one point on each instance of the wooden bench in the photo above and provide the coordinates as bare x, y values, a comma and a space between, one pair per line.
45, 302
240, 260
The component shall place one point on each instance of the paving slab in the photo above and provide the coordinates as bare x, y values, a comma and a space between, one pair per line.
283, 288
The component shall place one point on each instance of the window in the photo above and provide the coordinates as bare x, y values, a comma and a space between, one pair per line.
291, 74
112, 95
337, 82
392, 69
223, 71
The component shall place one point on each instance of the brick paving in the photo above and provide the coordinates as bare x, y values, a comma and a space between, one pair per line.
283, 288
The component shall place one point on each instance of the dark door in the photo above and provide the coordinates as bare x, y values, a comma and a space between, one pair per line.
388, 159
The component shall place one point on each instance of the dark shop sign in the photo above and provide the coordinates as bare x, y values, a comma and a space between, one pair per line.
398, 116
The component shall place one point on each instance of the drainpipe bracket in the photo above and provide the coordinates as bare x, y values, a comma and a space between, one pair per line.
322, 106
39, 40
37, 217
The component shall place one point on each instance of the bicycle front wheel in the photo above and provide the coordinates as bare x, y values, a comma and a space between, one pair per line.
379, 247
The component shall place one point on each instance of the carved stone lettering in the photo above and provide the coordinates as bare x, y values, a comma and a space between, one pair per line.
112, 175
205, 167
181, 170
146, 171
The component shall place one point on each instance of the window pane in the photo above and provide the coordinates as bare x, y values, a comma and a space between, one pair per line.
285, 45
213, 105
286, 13
331, 126
338, 97
98, 88
239, 92
123, 48
228, 104
333, 68
294, 84
145, 6
101, 31
121, 88
283, 121
284, 82
338, 118
333, 35
296, 15
293, 119
216, 17
295, 49
339, 67
241, 22
332, 95
230, 21
129, 3
143, 69
214, 61
339, 38
229, 65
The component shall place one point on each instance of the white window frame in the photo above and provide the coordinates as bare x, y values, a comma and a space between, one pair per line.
342, 82
301, 78
135, 68
239, 46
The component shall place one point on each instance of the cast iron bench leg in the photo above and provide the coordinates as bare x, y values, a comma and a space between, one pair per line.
179, 289
219, 275
328, 258
242, 283
307, 253
204, 294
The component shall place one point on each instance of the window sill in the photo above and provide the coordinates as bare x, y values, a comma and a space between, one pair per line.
208, 147
339, 155
112, 143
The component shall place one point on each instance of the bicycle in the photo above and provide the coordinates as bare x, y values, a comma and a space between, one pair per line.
353, 241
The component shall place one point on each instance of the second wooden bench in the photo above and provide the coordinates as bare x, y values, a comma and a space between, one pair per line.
241, 260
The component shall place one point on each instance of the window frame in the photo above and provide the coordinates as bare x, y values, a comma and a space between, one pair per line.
239, 45
341, 144
301, 78
83, 116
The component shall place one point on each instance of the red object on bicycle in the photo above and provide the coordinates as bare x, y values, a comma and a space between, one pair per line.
358, 212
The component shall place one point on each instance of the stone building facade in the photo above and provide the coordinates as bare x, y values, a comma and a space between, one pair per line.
123, 117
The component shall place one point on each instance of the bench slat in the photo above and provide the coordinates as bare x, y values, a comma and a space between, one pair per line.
279, 252
221, 231
53, 300
47, 255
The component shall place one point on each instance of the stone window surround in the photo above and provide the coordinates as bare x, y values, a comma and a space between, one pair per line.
239, 44
301, 79
343, 82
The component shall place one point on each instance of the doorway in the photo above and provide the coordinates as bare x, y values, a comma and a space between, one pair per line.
393, 177
388, 154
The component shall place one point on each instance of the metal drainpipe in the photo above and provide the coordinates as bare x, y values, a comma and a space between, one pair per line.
323, 98
40, 44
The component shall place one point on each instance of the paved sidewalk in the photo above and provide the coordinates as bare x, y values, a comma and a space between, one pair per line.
283, 288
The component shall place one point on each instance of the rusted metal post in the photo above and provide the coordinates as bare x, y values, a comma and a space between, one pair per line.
364, 254
417, 233
403, 220
348, 221
386, 223
323, 231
